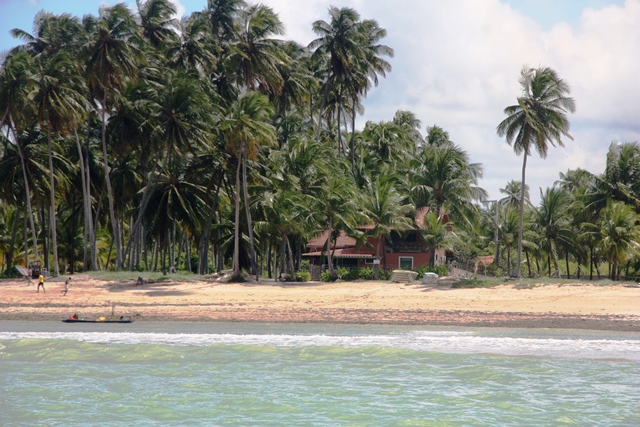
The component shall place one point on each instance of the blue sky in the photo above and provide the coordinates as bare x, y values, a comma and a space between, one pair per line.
457, 65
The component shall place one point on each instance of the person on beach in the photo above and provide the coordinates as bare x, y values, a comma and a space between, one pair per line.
66, 287
41, 283
140, 281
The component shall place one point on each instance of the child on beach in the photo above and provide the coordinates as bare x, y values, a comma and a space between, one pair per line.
66, 287
41, 283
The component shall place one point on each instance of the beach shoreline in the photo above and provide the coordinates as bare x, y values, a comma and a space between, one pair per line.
564, 306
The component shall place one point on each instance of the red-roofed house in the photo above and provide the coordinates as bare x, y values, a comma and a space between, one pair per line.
405, 251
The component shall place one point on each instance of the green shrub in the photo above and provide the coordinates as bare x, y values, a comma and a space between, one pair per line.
365, 273
440, 270
325, 277
385, 274
303, 276
344, 273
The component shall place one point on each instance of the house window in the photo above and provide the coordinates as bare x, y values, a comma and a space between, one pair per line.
406, 263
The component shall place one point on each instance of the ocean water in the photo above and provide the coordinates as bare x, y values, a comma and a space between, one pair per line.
247, 374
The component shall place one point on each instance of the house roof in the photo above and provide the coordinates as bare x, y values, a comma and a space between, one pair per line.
343, 253
343, 240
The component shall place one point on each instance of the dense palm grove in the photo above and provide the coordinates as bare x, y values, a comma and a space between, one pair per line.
133, 141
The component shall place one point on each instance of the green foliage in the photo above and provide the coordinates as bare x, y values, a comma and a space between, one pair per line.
365, 273
303, 276
325, 276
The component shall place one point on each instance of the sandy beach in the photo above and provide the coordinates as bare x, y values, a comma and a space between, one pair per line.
572, 306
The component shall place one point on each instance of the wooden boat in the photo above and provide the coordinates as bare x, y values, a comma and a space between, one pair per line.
108, 319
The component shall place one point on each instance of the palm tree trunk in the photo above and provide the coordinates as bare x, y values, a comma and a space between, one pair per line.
516, 271
247, 209
332, 272
88, 210
14, 234
26, 240
236, 240
292, 273
52, 208
27, 193
112, 212
352, 144
86, 234
203, 266
377, 266
591, 263
322, 105
567, 263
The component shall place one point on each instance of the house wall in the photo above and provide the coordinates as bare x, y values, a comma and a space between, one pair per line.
391, 260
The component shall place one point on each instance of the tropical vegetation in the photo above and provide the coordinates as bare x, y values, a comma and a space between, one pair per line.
133, 140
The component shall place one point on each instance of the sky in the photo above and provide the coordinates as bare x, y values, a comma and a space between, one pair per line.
457, 64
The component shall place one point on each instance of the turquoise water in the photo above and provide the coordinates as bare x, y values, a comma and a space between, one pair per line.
236, 374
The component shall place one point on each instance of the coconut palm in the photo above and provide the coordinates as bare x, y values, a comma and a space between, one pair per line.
255, 56
538, 119
180, 117
435, 232
340, 43
386, 211
222, 15
195, 48
553, 223
112, 57
620, 234
59, 105
247, 126
443, 178
16, 82
157, 22
513, 192
336, 207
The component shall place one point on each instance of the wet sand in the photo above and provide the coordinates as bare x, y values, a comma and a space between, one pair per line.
571, 306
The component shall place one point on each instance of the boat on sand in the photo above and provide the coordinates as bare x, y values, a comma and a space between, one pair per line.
103, 319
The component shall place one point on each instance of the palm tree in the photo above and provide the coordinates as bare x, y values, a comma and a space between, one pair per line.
513, 192
340, 43
112, 57
386, 210
16, 82
444, 178
620, 234
435, 232
180, 118
538, 119
59, 107
336, 208
247, 126
554, 224
255, 56
156, 21
195, 48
